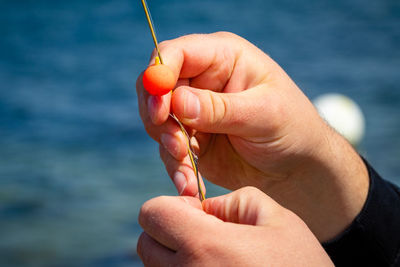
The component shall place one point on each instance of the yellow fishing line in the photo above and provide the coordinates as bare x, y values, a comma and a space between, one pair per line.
153, 32
193, 160
158, 60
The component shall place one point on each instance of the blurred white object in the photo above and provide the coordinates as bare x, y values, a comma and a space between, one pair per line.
342, 114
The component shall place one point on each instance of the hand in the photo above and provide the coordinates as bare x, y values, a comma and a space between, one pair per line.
244, 228
253, 126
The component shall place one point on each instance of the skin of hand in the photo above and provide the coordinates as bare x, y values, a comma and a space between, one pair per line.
252, 125
243, 228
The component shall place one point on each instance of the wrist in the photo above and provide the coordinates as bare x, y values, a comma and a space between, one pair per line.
347, 182
329, 191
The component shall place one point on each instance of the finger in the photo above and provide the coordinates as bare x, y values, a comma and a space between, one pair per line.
203, 56
165, 131
218, 62
158, 107
211, 60
247, 205
153, 109
182, 174
173, 140
171, 221
153, 253
170, 136
249, 113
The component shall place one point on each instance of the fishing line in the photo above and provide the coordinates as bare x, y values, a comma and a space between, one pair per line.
152, 30
192, 156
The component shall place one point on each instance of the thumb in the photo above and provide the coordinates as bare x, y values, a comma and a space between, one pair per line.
248, 113
247, 205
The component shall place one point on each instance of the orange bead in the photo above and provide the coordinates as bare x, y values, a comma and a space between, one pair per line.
158, 79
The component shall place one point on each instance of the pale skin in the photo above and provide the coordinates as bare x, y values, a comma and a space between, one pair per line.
253, 126
243, 228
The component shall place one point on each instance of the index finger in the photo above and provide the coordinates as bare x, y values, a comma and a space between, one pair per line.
204, 58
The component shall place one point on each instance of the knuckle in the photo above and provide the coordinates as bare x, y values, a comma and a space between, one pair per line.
277, 111
224, 63
164, 44
191, 37
225, 34
219, 107
251, 190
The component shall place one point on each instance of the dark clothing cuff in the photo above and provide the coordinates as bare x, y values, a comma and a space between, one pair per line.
373, 238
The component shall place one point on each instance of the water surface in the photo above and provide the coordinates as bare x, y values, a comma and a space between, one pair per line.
75, 161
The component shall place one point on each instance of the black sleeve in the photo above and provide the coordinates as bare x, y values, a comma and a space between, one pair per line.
373, 238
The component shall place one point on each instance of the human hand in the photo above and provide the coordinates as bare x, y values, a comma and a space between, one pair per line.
247, 119
252, 126
243, 228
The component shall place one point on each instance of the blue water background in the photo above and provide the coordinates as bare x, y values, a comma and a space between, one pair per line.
75, 161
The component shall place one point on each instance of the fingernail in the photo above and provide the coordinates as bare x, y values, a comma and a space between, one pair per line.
192, 106
180, 182
170, 143
152, 103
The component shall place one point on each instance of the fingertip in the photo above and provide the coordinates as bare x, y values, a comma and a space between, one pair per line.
158, 108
